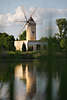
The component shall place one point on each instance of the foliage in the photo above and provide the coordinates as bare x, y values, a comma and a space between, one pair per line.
22, 36
6, 42
62, 43
62, 26
66, 43
62, 35
43, 39
30, 48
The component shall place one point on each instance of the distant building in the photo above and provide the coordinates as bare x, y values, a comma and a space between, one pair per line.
31, 43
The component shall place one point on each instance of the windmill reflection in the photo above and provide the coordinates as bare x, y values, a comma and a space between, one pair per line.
27, 74
30, 82
19, 72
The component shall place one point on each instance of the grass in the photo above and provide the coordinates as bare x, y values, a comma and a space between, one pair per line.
12, 55
18, 55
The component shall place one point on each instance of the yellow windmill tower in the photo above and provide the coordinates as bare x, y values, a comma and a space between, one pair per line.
30, 26
31, 29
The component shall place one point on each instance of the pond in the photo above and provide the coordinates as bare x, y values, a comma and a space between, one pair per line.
33, 80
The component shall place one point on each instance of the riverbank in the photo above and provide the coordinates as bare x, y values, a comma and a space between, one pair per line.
20, 56
30, 55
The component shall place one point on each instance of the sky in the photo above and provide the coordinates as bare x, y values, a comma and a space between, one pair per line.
46, 11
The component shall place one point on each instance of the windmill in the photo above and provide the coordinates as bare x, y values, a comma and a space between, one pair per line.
30, 26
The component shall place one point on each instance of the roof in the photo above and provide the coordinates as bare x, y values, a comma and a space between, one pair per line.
31, 21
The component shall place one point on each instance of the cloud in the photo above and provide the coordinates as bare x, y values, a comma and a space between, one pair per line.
9, 18
42, 15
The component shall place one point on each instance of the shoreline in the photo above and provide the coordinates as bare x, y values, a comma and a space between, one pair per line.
29, 56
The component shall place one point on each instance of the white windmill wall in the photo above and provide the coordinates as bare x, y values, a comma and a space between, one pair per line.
31, 32
18, 45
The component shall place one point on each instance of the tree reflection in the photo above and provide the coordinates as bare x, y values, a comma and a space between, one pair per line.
51, 62
63, 82
7, 81
11, 82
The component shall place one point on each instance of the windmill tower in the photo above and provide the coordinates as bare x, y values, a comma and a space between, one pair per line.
31, 29
30, 26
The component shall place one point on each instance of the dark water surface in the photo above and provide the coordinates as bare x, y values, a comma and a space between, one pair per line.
33, 80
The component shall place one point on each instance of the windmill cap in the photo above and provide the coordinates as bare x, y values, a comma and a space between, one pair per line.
31, 20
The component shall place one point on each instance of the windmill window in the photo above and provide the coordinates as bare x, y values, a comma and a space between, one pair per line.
33, 32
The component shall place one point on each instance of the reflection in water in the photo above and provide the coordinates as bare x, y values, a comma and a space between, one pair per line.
27, 83
19, 72
31, 85
20, 90
28, 76
30, 82
4, 93
63, 83
55, 87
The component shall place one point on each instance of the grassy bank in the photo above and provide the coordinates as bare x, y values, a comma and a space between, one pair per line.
16, 56
29, 55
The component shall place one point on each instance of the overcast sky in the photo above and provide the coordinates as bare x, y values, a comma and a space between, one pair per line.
11, 10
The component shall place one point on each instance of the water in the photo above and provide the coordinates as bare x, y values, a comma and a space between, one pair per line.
33, 80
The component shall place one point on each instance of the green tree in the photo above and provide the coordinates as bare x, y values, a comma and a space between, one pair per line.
62, 26
62, 35
22, 36
10, 41
6, 42
43, 39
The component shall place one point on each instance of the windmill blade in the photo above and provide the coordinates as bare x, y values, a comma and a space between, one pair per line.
39, 22
33, 12
24, 13
19, 21
22, 28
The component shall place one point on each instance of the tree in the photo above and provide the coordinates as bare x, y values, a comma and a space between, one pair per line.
6, 42
62, 43
62, 26
43, 39
10, 41
22, 36
62, 35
